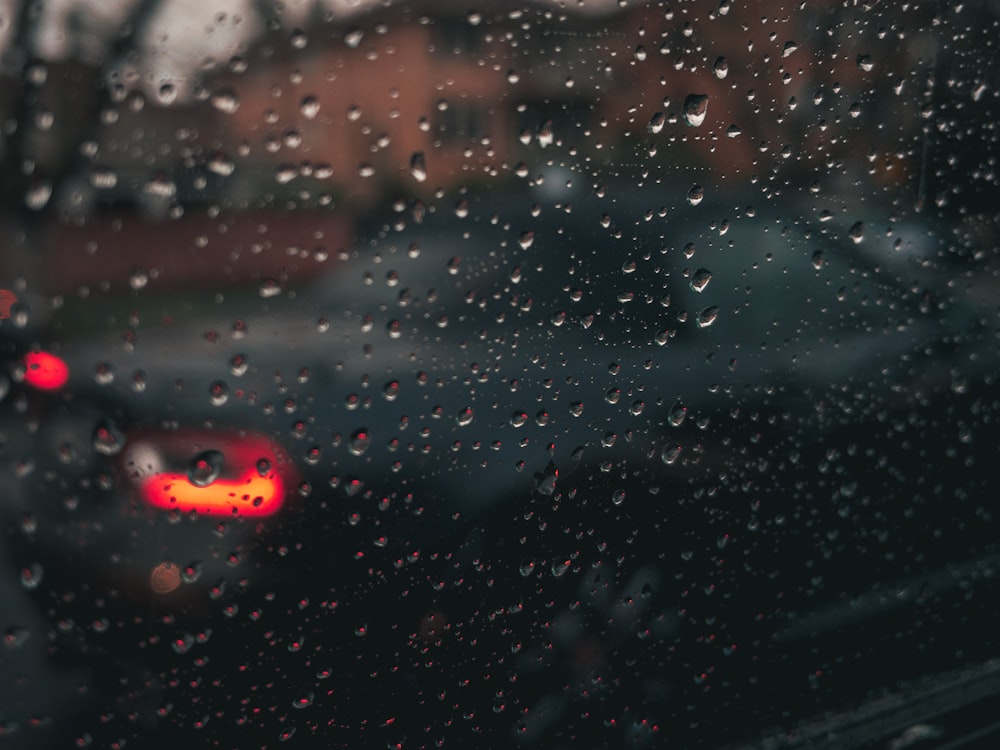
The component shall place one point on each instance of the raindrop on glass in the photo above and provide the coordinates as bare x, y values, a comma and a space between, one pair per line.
206, 467
695, 109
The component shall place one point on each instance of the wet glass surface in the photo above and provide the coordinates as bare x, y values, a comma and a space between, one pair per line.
556, 374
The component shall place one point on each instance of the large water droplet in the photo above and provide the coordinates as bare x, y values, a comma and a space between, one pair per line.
206, 467
670, 454
857, 232
695, 109
707, 316
700, 279
696, 194
309, 107
720, 68
678, 412
418, 166
218, 393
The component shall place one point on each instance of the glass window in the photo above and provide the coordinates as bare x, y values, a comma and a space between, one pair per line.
564, 374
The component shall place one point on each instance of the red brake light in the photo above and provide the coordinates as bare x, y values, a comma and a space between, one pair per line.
249, 495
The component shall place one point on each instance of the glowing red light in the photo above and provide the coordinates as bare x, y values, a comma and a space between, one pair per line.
248, 495
7, 300
45, 371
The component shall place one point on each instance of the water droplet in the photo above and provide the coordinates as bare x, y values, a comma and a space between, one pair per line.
640, 53
696, 194
857, 232
670, 454
36, 73
309, 107
15, 637
677, 415
656, 122
418, 166
104, 374
354, 37
560, 567
545, 135
218, 393
720, 68
206, 467
513, 77
695, 109
707, 316
360, 442
519, 419
221, 164
103, 178
164, 578
269, 288
390, 391
700, 279
226, 100
464, 417
733, 131
108, 440
138, 279
527, 566
576, 408
238, 365
304, 701
789, 48
167, 93
31, 576
183, 643
865, 63
191, 572
38, 195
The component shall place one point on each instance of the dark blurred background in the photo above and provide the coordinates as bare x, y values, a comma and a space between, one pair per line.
673, 329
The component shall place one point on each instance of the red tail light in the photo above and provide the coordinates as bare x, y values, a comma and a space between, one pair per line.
45, 371
251, 473
249, 495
